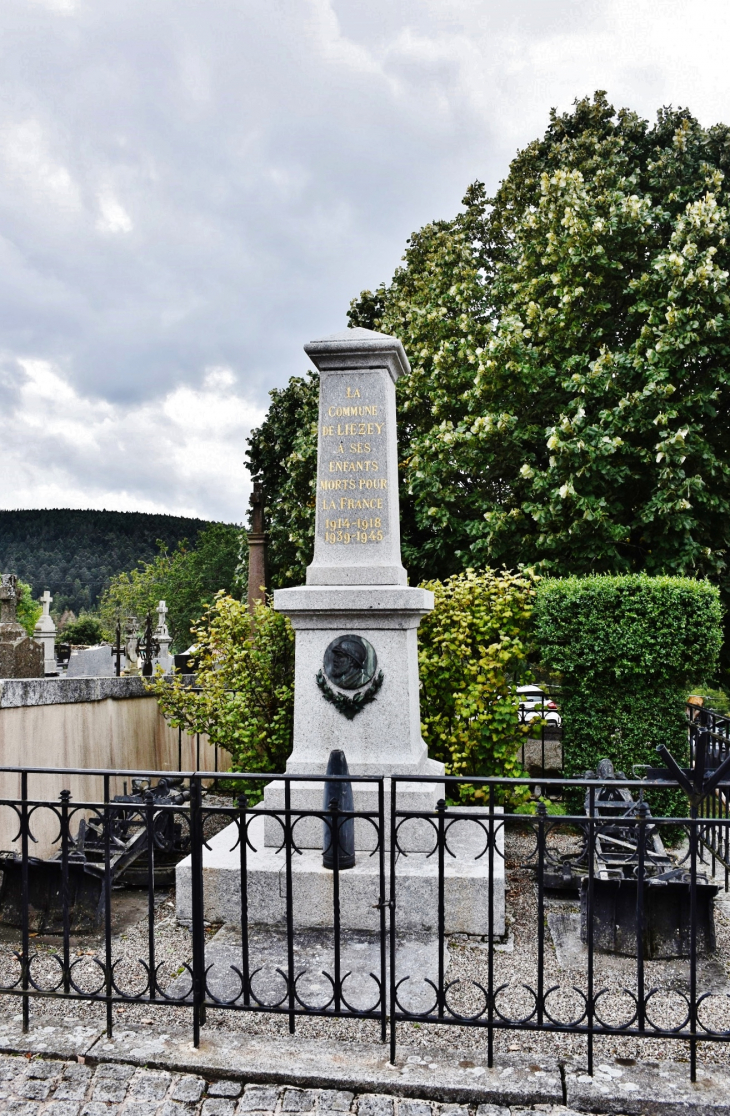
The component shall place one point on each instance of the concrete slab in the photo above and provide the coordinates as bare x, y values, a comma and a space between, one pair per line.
570, 951
47, 1037
650, 1088
647, 1088
466, 889
317, 1064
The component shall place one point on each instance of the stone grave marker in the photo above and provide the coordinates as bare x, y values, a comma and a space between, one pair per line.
45, 633
20, 656
91, 662
164, 639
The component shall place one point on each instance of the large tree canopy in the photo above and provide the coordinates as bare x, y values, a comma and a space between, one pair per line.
282, 453
570, 350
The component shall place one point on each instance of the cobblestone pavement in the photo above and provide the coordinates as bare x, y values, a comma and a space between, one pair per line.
42, 1087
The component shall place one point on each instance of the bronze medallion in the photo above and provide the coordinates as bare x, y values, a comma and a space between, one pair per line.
350, 662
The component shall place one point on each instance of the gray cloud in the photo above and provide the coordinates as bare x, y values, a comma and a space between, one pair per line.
192, 191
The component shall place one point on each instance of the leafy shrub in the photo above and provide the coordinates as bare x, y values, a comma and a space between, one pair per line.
28, 611
472, 650
88, 629
627, 647
246, 677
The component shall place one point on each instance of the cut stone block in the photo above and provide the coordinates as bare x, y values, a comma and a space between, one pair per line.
414, 834
466, 885
530, 754
91, 662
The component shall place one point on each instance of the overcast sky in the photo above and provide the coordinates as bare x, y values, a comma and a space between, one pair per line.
192, 189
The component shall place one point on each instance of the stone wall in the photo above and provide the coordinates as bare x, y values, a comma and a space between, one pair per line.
82, 722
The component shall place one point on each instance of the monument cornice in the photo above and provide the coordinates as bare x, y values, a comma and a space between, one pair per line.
361, 598
361, 349
357, 606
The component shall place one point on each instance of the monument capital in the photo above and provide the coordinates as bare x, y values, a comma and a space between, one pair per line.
359, 349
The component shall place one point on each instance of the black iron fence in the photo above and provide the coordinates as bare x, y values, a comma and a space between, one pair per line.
709, 750
597, 923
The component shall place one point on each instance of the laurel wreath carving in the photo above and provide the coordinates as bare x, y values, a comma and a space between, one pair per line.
349, 706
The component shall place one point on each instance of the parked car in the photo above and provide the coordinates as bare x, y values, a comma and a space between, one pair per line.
536, 705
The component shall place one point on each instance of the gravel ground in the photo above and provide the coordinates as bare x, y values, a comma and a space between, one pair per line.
515, 965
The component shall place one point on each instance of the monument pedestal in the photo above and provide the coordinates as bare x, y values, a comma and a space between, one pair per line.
466, 886
417, 835
384, 737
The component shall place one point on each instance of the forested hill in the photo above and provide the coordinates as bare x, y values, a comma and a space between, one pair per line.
74, 553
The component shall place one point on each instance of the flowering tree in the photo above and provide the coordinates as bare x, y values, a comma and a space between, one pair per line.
570, 345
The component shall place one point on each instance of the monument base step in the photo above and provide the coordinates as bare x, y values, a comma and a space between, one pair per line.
466, 886
314, 968
414, 834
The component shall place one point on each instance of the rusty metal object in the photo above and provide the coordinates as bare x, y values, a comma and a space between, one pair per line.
132, 818
628, 856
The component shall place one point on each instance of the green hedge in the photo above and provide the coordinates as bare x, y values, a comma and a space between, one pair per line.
628, 648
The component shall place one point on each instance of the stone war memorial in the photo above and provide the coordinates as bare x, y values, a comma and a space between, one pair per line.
356, 684
352, 890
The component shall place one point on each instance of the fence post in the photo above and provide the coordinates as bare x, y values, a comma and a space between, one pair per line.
490, 935
335, 845
197, 898
289, 838
441, 809
25, 929
642, 811
243, 857
589, 919
693, 945
149, 814
65, 797
541, 815
391, 905
108, 973
382, 904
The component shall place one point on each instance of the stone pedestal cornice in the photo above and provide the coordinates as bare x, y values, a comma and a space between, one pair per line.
354, 606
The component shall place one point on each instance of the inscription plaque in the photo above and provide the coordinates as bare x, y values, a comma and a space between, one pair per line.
352, 482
